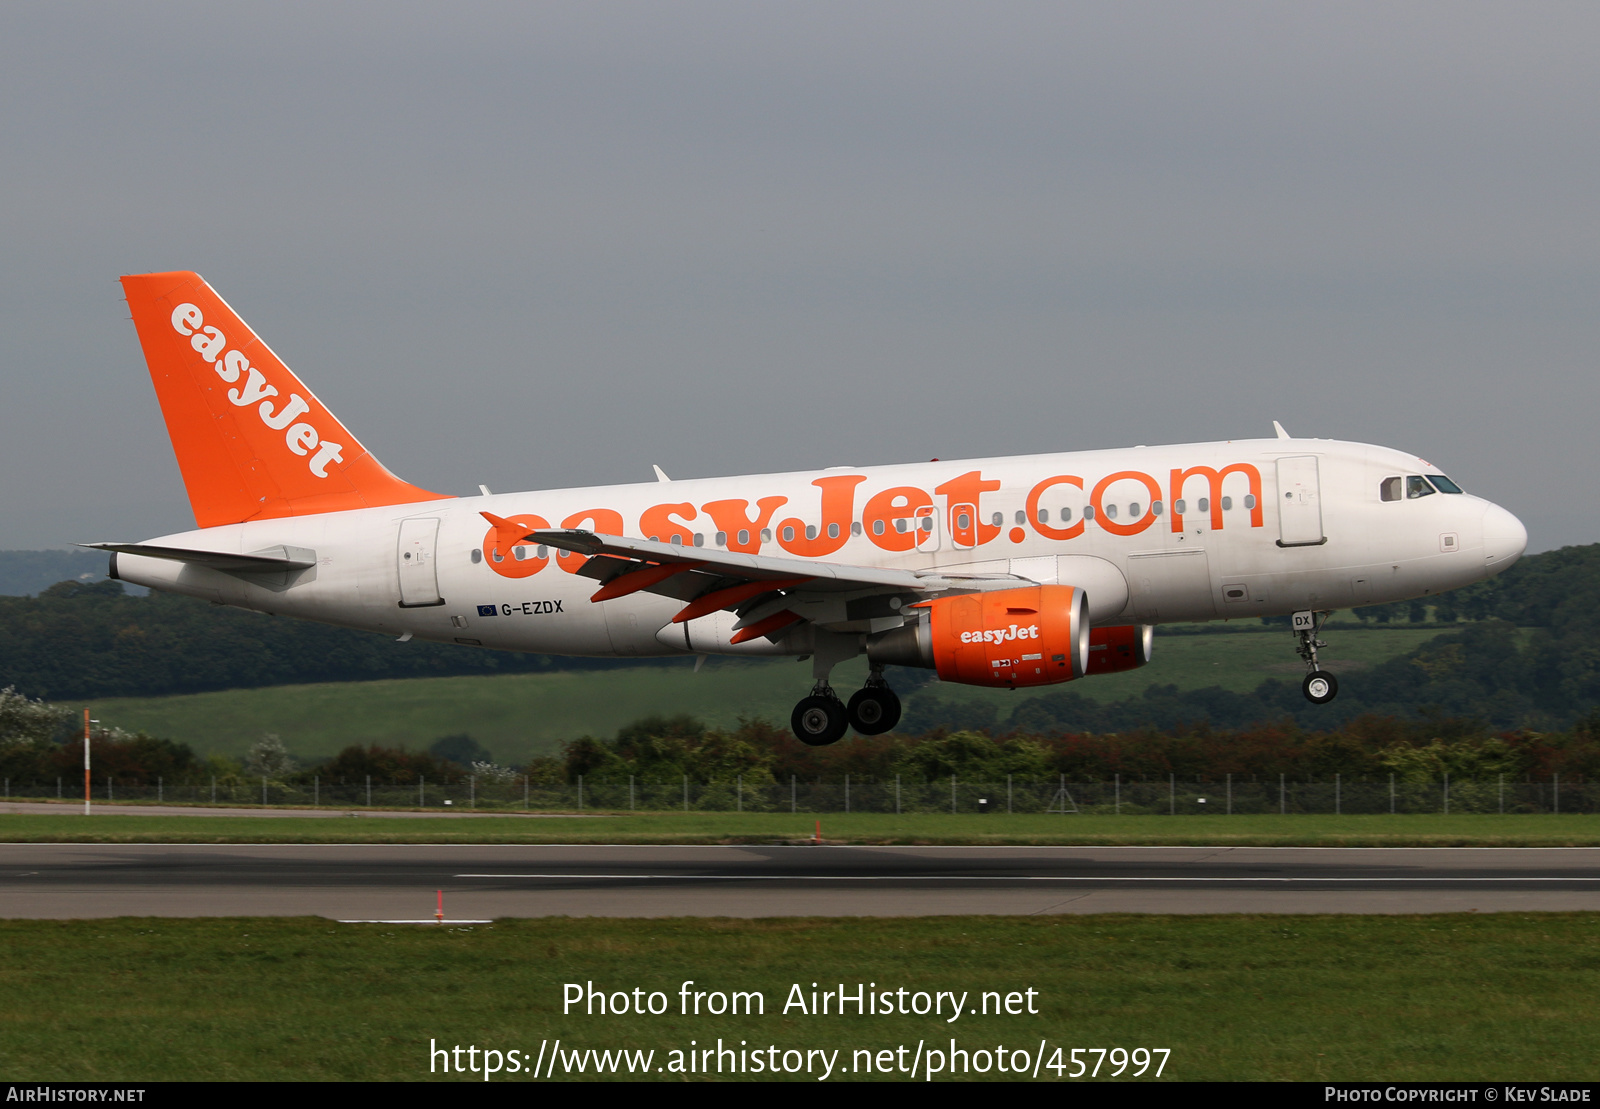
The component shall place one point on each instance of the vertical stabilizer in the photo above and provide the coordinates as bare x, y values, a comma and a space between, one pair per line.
253, 443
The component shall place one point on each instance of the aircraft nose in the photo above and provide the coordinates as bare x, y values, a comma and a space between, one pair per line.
1504, 538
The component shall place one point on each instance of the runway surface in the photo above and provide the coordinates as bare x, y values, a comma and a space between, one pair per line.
398, 881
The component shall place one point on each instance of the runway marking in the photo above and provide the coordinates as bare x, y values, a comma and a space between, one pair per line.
989, 878
429, 920
915, 848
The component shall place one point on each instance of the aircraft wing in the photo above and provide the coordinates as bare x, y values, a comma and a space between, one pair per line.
768, 593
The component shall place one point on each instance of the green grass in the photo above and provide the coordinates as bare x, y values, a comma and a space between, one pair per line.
1307, 998
1466, 830
518, 716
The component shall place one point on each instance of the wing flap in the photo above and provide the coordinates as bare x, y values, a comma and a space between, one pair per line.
741, 567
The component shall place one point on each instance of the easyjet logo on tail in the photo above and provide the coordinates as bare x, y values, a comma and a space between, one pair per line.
252, 389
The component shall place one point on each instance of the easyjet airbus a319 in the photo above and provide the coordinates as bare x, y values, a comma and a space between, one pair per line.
1005, 572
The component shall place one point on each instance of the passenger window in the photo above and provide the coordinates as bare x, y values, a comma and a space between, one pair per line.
1066, 515
1227, 504
1417, 486
1088, 512
1250, 500
1111, 512
722, 539
1133, 511
1155, 506
1389, 490
1044, 515
1022, 517
1204, 504
1180, 506
963, 521
998, 519
744, 537
927, 524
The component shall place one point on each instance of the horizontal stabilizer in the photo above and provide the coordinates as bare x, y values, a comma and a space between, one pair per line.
272, 560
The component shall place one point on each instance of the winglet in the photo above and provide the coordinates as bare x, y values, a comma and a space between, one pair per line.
1282, 434
507, 533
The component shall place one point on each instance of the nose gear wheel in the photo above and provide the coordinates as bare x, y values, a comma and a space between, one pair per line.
1320, 687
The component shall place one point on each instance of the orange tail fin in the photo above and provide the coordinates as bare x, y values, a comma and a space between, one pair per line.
253, 443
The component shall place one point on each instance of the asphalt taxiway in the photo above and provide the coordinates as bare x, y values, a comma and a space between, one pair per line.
398, 881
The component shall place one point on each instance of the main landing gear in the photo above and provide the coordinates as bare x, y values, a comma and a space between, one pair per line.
1319, 686
822, 718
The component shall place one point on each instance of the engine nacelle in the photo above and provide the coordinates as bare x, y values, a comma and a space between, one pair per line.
1035, 635
1113, 650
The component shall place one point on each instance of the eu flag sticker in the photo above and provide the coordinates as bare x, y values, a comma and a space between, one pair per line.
486, 610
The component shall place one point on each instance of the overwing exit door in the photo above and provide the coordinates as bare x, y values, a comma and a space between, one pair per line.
1299, 502
419, 577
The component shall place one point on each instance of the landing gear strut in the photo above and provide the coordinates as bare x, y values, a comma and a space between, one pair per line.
874, 709
1319, 686
820, 719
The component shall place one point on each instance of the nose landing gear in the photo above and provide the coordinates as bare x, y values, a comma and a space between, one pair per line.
1319, 686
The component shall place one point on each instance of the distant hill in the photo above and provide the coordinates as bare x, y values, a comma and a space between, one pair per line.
29, 573
1527, 659
91, 639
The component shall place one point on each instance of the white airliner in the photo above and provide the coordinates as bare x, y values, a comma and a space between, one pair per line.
1001, 572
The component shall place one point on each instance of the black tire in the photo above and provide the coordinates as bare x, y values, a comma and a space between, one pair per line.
819, 721
1320, 687
874, 710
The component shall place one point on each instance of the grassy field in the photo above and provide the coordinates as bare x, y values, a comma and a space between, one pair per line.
518, 716
1308, 998
1467, 830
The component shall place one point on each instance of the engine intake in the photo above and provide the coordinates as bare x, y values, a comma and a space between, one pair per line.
1034, 635
1113, 650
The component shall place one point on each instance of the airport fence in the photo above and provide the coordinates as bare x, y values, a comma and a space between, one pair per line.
951, 795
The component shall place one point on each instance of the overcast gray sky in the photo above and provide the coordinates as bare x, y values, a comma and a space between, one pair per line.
547, 245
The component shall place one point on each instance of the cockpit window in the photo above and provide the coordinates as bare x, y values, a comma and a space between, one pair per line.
1444, 484
1390, 488
1417, 486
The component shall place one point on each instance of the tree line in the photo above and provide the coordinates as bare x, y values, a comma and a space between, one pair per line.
40, 742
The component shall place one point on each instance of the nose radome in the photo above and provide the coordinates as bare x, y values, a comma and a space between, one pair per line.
1504, 538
